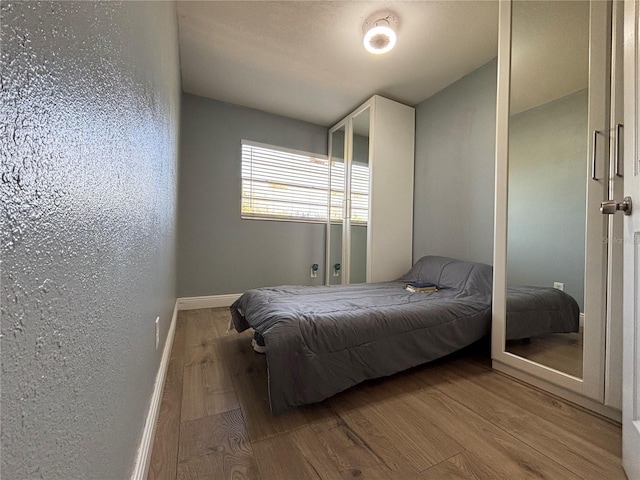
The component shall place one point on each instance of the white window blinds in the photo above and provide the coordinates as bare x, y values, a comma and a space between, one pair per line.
284, 184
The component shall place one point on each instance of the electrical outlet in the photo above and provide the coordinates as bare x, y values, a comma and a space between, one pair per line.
157, 332
558, 285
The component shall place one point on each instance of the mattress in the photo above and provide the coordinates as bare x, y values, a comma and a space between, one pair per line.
322, 340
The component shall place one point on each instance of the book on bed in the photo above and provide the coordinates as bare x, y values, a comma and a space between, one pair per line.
421, 287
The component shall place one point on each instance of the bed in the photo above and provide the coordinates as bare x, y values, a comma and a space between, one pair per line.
321, 340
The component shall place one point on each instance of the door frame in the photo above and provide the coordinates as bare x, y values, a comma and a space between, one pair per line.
631, 273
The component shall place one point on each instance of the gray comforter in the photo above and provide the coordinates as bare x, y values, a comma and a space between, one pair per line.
533, 311
322, 340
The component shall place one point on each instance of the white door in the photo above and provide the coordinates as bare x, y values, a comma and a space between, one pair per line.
631, 274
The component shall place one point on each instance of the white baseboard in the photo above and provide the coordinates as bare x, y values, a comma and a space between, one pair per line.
210, 301
143, 457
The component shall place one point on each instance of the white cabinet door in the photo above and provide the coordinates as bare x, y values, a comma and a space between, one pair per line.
391, 200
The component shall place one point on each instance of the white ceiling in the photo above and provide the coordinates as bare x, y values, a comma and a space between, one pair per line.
305, 59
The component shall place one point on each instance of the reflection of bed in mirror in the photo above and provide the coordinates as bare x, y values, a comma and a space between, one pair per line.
543, 325
534, 311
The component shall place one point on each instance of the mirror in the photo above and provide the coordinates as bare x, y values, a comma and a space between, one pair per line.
336, 177
359, 197
547, 182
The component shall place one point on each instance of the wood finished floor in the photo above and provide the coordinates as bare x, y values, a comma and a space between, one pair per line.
451, 419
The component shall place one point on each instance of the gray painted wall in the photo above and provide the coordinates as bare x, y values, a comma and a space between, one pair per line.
218, 251
547, 195
454, 169
88, 131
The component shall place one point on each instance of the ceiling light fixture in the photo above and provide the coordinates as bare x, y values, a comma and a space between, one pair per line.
379, 32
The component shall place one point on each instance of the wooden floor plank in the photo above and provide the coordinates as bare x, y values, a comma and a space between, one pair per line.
463, 466
207, 390
200, 328
349, 452
164, 455
177, 349
296, 454
502, 452
593, 429
211, 351
216, 447
221, 317
202, 338
372, 437
574, 452
422, 440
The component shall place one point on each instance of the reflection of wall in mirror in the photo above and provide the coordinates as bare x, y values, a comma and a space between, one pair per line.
358, 263
547, 194
361, 149
335, 253
337, 145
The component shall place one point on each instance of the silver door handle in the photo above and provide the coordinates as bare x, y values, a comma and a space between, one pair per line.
611, 206
594, 155
617, 167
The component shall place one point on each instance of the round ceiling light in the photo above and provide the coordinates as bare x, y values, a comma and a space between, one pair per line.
379, 32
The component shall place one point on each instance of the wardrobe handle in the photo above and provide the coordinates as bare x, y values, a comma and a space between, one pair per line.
617, 151
594, 156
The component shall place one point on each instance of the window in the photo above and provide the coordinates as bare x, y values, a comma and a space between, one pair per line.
283, 184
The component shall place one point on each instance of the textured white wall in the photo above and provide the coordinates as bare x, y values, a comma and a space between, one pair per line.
90, 97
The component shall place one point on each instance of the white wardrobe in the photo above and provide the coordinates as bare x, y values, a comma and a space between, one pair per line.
558, 156
371, 157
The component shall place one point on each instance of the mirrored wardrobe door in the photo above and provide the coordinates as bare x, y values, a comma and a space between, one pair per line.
359, 196
551, 144
547, 177
337, 155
